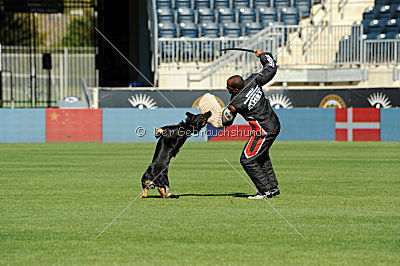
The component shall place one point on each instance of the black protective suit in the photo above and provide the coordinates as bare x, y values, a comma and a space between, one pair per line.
252, 104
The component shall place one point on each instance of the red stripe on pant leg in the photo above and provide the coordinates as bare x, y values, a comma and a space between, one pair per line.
250, 153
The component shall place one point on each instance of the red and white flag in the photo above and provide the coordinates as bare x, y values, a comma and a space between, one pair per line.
358, 124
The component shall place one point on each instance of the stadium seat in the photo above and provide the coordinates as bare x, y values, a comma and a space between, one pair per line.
226, 15
389, 36
393, 26
165, 14
370, 36
241, 3
232, 30
267, 14
304, 7
221, 3
253, 28
188, 29
202, 3
261, 3
371, 13
209, 30
164, 3
183, 3
247, 15
382, 2
185, 14
166, 30
281, 3
376, 26
290, 15
205, 14
385, 12
365, 24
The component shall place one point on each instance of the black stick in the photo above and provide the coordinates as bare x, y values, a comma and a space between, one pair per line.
238, 49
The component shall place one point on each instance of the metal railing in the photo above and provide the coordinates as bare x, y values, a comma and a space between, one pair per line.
25, 83
381, 52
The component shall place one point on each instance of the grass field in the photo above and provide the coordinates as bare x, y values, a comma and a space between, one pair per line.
56, 198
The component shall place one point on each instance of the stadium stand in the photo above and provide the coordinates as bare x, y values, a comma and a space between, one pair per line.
202, 3
289, 12
381, 23
247, 15
205, 14
185, 14
210, 30
267, 14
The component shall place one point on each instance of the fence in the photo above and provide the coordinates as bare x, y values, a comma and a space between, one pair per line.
25, 82
64, 30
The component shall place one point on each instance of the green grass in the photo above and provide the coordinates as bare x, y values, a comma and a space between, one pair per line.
56, 198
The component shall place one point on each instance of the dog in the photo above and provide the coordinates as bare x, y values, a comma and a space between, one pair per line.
170, 140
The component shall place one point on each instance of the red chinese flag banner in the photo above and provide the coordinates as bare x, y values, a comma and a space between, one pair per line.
358, 124
73, 125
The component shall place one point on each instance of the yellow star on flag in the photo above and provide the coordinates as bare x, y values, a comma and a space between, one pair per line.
54, 116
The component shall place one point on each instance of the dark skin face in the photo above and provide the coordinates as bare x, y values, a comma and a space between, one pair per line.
230, 88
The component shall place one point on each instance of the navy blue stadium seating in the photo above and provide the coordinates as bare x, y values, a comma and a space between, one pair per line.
165, 14
167, 30
385, 12
393, 25
209, 30
382, 2
290, 15
205, 14
304, 7
226, 15
221, 3
231, 29
202, 3
241, 3
370, 36
371, 13
185, 14
376, 26
247, 15
188, 29
183, 3
164, 3
261, 3
267, 14
253, 28
281, 3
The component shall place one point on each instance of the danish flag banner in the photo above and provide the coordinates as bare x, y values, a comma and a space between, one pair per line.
358, 124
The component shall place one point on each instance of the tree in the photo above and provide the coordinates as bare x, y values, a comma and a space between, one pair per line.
80, 32
17, 29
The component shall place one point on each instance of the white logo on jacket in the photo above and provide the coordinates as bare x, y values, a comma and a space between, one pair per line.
253, 96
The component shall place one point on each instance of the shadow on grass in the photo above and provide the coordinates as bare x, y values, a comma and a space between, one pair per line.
236, 195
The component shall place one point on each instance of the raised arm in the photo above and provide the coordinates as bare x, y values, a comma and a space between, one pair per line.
269, 67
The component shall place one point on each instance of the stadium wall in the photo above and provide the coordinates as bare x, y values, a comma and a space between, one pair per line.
137, 125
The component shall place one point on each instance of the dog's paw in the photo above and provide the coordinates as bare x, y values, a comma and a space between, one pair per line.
143, 196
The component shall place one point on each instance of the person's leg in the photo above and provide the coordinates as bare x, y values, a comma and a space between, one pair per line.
249, 160
266, 164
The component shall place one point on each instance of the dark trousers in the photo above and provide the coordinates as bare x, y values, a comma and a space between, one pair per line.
257, 163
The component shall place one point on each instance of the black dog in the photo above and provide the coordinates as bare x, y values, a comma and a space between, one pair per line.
171, 139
